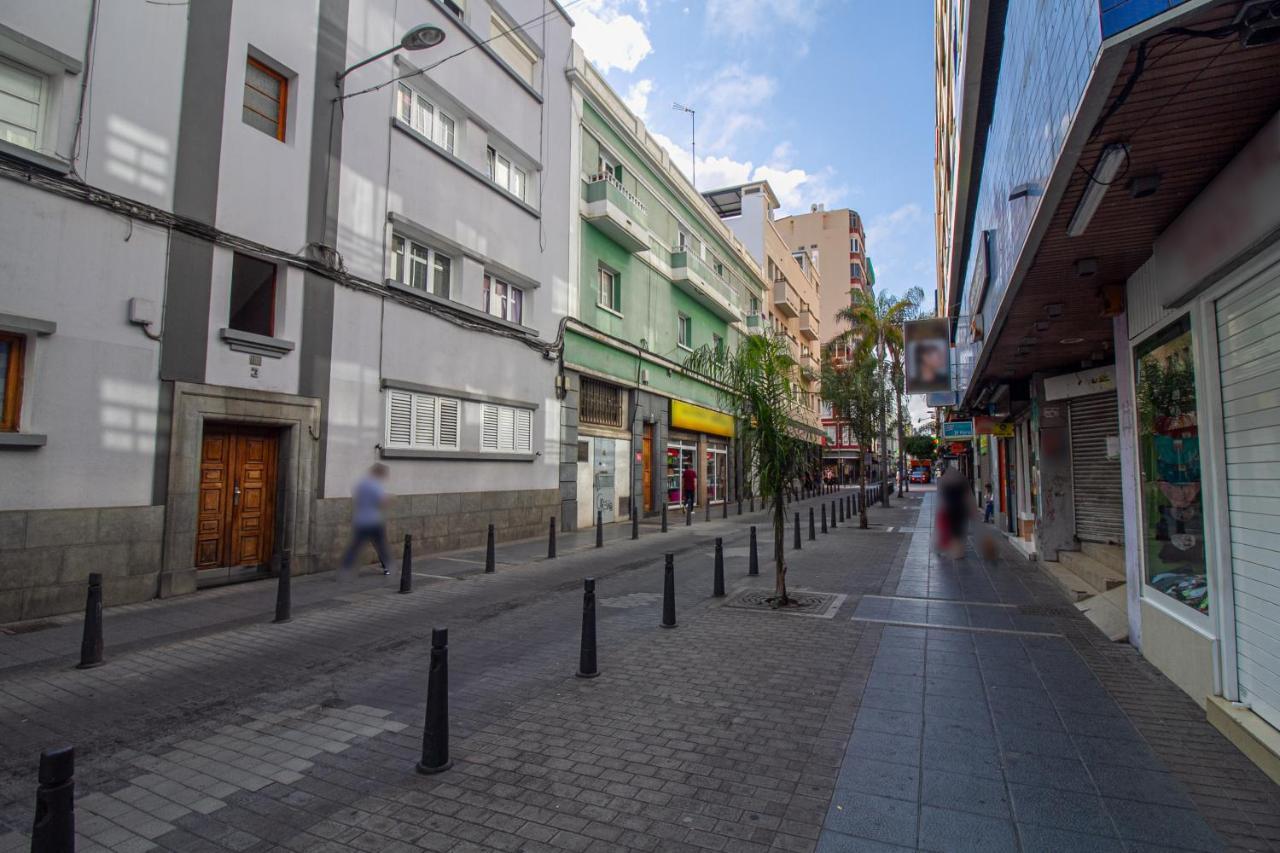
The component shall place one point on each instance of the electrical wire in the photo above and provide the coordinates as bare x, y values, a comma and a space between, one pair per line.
406, 75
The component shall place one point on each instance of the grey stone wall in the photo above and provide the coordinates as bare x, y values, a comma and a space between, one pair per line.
46, 557
444, 522
569, 453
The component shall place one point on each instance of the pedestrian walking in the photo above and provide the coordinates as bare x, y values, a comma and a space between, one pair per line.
956, 508
989, 506
689, 483
368, 517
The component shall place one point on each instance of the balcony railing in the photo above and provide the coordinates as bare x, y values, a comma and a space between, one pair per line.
808, 324
616, 211
696, 277
785, 298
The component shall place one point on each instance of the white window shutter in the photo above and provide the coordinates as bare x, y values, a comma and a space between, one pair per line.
506, 429
448, 431
489, 429
424, 421
524, 431
399, 419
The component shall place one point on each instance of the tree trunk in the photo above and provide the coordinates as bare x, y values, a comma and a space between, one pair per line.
902, 468
884, 431
779, 539
862, 501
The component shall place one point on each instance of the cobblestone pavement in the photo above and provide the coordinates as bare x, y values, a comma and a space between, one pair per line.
1016, 724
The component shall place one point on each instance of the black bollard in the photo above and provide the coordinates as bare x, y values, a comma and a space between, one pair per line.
797, 536
435, 729
724, 508
717, 588
813, 532
669, 591
840, 504
406, 565
551, 539
707, 501
739, 506
587, 656
688, 515
753, 567
284, 591
91, 642
824, 518
753, 503
490, 561
635, 523
54, 827
599, 528
664, 516
833, 515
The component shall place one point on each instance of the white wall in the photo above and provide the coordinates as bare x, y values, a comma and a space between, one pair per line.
91, 386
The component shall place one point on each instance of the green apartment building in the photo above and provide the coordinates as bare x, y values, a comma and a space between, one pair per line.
654, 275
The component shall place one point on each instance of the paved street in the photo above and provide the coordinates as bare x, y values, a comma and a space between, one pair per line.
929, 703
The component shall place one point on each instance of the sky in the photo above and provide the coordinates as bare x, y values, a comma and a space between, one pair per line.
831, 101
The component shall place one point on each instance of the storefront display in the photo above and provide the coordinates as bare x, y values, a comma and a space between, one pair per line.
681, 456
1169, 456
717, 472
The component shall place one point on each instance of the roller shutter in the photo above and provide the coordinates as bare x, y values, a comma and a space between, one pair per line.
1249, 361
1095, 475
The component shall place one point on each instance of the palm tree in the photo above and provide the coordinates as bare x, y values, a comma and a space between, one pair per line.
856, 391
875, 323
757, 382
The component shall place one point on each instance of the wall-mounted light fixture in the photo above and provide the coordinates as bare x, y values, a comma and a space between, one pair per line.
1113, 156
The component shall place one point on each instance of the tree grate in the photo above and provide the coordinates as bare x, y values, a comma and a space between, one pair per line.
822, 605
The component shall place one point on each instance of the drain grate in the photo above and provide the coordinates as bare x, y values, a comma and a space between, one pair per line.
822, 605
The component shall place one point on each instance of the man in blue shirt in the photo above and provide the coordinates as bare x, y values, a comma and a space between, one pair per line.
368, 522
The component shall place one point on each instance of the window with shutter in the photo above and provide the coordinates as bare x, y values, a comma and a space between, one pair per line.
505, 429
489, 429
424, 420
399, 419
421, 421
524, 431
448, 431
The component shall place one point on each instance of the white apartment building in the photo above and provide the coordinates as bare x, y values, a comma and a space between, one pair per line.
230, 281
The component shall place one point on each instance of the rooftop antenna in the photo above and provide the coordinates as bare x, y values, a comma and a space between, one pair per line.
693, 135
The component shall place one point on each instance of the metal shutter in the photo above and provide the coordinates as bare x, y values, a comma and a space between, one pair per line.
1249, 361
1095, 477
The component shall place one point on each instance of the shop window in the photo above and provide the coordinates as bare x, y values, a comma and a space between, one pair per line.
717, 473
253, 296
600, 403
1169, 457
682, 473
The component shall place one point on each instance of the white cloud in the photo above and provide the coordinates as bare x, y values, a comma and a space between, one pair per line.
637, 98
610, 37
900, 243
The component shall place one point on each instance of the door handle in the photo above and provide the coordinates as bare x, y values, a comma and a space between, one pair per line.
235, 495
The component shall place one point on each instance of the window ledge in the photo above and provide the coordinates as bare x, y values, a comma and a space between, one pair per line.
35, 158
426, 296
22, 440
454, 455
609, 310
27, 325
256, 344
467, 168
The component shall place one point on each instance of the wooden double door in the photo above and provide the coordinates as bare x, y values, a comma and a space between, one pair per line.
235, 523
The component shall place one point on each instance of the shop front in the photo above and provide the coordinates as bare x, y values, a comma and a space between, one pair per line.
698, 454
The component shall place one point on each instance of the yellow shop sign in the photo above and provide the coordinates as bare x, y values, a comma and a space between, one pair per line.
699, 419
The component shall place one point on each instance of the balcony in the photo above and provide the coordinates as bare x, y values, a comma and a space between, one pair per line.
611, 207
692, 275
808, 324
785, 298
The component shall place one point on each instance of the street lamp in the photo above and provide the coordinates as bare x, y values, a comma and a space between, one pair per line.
420, 37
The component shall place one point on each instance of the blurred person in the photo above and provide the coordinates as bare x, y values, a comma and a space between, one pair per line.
368, 517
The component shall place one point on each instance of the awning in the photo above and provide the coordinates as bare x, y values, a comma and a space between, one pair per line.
700, 419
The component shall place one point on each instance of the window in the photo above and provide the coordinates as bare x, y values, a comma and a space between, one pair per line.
23, 98
855, 245
12, 349
420, 267
506, 42
717, 343
855, 271
755, 305
1169, 461
266, 98
507, 175
684, 331
683, 239
773, 271
421, 421
503, 300
506, 429
253, 296
600, 403
426, 118
609, 294
606, 166
457, 7
832, 440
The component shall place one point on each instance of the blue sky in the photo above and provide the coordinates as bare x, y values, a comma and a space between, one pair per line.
830, 100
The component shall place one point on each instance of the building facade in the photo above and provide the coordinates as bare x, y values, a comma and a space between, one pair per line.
837, 242
654, 276
1112, 286
282, 275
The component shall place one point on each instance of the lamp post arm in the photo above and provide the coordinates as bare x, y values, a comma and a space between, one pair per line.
365, 62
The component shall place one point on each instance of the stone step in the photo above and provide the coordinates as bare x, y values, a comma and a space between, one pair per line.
1111, 556
1096, 574
1109, 611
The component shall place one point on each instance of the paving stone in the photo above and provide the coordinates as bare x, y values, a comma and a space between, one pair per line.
877, 818
945, 830
965, 793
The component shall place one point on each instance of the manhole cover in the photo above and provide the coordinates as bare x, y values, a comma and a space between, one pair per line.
635, 599
806, 602
1045, 610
